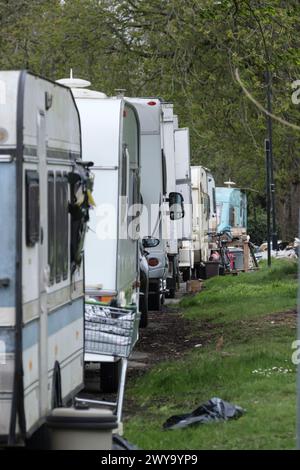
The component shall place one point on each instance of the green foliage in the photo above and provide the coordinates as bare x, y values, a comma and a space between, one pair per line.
257, 225
185, 52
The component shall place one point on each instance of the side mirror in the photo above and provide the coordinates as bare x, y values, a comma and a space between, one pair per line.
176, 206
150, 242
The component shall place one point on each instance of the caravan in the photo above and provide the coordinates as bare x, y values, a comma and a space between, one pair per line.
201, 216
231, 206
152, 192
155, 191
184, 187
44, 210
171, 224
111, 139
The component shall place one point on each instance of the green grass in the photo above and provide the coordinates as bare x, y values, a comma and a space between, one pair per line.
246, 295
250, 343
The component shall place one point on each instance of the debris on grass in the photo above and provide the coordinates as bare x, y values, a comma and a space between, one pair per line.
213, 410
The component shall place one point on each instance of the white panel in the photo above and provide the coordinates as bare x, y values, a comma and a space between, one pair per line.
7, 316
62, 118
168, 141
8, 106
183, 178
100, 128
100, 254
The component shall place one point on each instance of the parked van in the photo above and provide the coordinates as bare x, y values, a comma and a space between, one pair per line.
184, 187
44, 192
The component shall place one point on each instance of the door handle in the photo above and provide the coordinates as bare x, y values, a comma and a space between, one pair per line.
42, 235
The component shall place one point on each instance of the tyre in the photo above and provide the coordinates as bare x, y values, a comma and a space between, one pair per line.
187, 275
172, 293
110, 376
144, 320
154, 302
144, 309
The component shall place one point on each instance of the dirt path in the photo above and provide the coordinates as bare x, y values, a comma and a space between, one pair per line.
169, 336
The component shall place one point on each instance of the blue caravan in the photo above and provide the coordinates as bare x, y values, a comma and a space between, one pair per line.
43, 214
231, 209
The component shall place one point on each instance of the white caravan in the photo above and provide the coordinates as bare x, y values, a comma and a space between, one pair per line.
169, 124
184, 187
200, 217
211, 191
110, 138
152, 193
41, 279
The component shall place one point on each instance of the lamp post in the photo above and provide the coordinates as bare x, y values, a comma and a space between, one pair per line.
268, 192
268, 79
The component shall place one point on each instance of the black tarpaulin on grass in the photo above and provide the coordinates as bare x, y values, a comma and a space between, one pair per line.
214, 409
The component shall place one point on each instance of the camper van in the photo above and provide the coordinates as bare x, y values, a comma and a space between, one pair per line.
44, 210
201, 204
184, 187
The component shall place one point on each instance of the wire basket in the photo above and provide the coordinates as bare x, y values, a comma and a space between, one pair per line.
109, 330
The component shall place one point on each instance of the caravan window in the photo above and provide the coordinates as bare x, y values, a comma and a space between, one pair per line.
32, 207
232, 216
62, 227
59, 227
214, 200
65, 220
124, 171
206, 205
51, 226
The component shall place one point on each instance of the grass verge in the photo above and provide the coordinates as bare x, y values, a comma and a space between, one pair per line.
244, 370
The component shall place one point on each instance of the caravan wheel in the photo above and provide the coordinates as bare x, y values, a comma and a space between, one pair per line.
187, 275
155, 301
110, 376
144, 320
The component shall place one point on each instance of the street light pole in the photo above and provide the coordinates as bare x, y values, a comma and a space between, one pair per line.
268, 78
268, 192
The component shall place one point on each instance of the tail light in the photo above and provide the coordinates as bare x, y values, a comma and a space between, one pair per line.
106, 299
153, 262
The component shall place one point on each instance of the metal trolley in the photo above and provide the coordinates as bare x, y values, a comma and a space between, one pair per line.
110, 335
